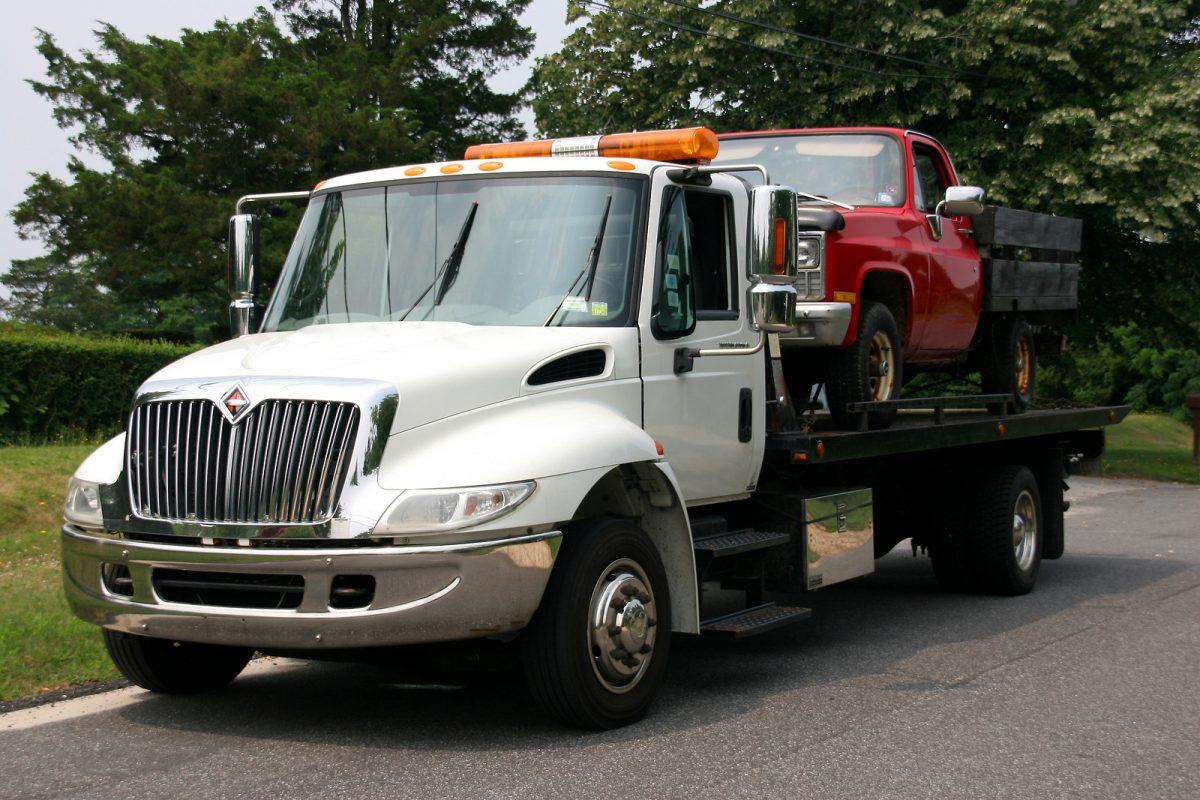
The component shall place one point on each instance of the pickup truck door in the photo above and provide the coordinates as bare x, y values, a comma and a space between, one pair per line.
955, 285
710, 420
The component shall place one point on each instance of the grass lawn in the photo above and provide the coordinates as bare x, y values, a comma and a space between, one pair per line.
42, 646
1152, 446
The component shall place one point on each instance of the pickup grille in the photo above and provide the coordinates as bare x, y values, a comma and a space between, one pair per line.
810, 284
284, 462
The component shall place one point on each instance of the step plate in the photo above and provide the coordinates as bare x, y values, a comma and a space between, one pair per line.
730, 544
754, 621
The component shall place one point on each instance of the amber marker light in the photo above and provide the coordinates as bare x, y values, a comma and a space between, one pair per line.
488, 166
692, 145
820, 447
319, 185
799, 458
411, 171
1001, 428
780, 245
659, 447
621, 165
450, 169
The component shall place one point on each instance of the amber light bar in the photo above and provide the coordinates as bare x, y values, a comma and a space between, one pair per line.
692, 145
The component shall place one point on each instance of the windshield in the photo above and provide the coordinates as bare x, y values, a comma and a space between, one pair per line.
859, 169
484, 251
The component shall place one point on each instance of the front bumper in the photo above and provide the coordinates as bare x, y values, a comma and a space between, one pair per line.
422, 593
819, 325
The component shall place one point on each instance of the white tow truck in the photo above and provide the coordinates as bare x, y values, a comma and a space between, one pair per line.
535, 396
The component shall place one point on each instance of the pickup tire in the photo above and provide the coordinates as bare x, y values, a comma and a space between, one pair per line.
607, 597
170, 667
1008, 362
1008, 530
872, 368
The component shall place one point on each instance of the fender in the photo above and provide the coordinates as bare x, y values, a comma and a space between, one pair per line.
876, 267
104, 464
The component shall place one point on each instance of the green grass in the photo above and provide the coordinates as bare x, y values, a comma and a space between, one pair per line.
1151, 446
42, 646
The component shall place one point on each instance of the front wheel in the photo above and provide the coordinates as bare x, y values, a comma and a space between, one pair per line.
871, 368
170, 667
596, 652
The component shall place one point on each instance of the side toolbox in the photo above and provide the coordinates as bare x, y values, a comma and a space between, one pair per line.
838, 539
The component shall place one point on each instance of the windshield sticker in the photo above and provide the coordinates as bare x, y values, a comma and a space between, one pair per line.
883, 197
575, 304
599, 309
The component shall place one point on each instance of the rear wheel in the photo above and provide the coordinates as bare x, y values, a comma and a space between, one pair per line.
170, 667
1009, 525
870, 369
596, 652
1008, 362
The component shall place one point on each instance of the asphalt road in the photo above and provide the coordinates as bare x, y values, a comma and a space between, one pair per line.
1089, 687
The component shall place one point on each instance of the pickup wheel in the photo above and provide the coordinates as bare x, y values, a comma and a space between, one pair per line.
1008, 362
169, 667
596, 652
871, 368
1009, 526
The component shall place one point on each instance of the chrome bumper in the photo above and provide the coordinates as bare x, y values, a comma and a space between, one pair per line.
422, 593
819, 325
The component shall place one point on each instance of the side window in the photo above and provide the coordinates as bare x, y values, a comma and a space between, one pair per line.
708, 224
929, 183
674, 311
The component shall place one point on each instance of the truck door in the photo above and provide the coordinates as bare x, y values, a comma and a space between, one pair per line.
709, 420
955, 285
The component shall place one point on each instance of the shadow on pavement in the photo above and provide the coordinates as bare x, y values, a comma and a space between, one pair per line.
868, 627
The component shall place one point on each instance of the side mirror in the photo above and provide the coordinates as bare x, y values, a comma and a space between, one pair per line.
772, 234
773, 307
243, 271
963, 201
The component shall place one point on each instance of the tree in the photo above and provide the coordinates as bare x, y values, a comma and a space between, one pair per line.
1088, 109
272, 103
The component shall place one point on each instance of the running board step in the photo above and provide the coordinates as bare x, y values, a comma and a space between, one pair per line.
735, 542
753, 621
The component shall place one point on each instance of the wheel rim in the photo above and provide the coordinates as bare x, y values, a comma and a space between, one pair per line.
881, 366
623, 624
1025, 530
1023, 366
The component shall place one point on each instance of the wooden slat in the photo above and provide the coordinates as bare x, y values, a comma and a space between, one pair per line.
1016, 228
1030, 286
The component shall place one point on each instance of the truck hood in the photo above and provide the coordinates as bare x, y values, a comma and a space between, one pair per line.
439, 369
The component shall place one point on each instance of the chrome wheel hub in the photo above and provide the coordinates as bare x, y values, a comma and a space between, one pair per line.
1025, 532
622, 625
881, 366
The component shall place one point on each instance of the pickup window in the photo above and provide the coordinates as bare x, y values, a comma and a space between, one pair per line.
929, 185
863, 169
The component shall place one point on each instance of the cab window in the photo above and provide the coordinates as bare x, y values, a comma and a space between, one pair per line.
696, 262
929, 180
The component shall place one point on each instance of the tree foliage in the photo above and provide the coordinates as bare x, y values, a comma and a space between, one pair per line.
272, 103
1088, 108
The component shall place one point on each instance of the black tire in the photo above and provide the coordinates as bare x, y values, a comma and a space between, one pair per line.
560, 661
169, 667
1006, 352
998, 500
950, 549
849, 378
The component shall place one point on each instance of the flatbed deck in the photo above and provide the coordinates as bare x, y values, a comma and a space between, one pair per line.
920, 431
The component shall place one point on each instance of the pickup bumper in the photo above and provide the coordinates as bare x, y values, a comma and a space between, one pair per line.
418, 593
819, 325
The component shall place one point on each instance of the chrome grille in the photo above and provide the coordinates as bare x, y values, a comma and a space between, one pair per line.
810, 284
284, 462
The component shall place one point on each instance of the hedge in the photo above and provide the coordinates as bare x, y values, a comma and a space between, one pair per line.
56, 385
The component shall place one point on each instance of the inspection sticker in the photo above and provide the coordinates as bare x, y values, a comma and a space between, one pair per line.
575, 304
599, 309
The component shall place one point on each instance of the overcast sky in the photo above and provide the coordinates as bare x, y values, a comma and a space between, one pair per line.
30, 141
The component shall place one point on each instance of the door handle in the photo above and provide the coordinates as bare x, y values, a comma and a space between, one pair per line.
745, 414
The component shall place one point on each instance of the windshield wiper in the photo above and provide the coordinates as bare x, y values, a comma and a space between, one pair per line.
821, 199
449, 269
589, 269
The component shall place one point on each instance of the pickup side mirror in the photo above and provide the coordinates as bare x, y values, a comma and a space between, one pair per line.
963, 201
244, 258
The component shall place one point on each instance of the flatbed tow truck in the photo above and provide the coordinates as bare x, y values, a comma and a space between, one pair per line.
534, 397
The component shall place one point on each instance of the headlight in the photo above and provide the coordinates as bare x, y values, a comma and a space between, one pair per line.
429, 511
83, 504
808, 252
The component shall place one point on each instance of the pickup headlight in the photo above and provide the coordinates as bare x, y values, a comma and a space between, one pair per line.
83, 504
430, 511
808, 252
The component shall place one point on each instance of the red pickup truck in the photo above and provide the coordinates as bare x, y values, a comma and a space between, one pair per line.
907, 268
